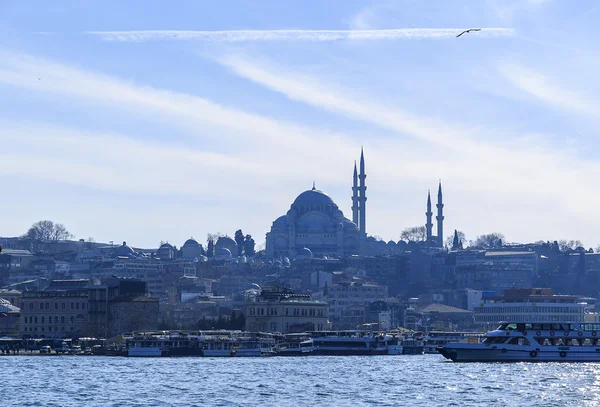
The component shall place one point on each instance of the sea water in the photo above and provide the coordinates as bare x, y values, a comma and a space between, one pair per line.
426, 380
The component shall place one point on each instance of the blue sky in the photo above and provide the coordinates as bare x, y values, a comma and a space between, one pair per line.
150, 120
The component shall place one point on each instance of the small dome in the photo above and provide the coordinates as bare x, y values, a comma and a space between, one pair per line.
225, 242
280, 221
348, 224
223, 252
124, 250
202, 259
304, 253
165, 246
391, 243
191, 242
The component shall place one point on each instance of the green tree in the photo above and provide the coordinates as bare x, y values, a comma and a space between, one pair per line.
239, 239
249, 246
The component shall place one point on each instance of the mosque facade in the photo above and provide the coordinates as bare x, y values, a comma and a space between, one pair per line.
315, 226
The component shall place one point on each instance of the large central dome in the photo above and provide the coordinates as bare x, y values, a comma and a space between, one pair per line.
313, 197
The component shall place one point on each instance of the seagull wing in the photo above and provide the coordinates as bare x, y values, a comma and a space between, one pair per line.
461, 34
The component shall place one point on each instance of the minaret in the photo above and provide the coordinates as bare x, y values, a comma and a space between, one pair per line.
355, 196
362, 196
429, 214
440, 217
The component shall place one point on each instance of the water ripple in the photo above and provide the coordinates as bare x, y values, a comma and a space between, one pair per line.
311, 381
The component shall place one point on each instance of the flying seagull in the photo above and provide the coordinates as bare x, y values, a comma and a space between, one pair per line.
468, 31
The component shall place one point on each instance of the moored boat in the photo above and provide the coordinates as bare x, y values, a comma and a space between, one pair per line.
441, 338
349, 343
530, 342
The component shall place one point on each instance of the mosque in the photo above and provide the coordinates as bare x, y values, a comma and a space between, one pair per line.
315, 226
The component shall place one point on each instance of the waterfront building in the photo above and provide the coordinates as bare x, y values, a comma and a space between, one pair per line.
9, 318
278, 309
115, 306
58, 311
529, 305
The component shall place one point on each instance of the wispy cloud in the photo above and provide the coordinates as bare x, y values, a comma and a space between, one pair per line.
292, 35
505, 164
546, 90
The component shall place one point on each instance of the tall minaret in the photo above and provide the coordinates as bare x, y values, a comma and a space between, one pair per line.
429, 214
362, 196
440, 217
355, 196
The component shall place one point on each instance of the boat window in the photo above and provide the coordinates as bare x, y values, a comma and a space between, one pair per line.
547, 327
574, 342
557, 327
587, 342
559, 342
537, 327
519, 341
546, 342
528, 326
511, 326
494, 340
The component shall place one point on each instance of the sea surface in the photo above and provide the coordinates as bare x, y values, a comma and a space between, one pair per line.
426, 380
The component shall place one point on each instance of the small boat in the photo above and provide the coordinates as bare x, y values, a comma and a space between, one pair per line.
412, 346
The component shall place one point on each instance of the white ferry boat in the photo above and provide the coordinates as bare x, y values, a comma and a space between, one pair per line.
530, 342
346, 343
441, 338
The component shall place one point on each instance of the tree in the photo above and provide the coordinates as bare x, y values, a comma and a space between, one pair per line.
490, 241
239, 239
249, 245
414, 234
48, 231
461, 237
566, 246
210, 248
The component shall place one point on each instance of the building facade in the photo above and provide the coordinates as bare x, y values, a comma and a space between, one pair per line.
59, 311
529, 305
277, 309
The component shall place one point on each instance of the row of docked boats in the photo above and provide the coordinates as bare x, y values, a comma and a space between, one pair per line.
238, 343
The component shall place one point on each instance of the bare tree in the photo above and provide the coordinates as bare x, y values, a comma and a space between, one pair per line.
48, 231
489, 241
414, 234
566, 246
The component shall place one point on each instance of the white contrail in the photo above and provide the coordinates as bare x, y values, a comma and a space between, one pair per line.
293, 35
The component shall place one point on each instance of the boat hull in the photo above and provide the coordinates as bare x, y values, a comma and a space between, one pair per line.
529, 354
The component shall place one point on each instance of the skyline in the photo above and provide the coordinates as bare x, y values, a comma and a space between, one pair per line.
173, 135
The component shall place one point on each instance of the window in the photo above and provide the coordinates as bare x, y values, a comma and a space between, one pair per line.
55, 305
83, 305
63, 305
62, 320
77, 305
